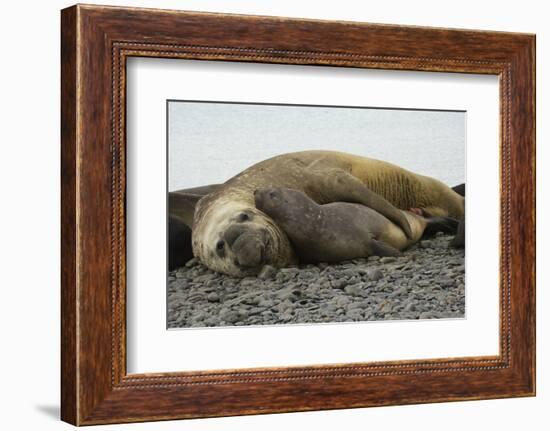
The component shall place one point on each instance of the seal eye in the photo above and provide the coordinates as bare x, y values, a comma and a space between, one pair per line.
243, 217
220, 248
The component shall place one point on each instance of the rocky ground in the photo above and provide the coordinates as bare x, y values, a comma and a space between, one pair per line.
427, 282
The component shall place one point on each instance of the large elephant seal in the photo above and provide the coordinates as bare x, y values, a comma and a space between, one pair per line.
340, 230
230, 235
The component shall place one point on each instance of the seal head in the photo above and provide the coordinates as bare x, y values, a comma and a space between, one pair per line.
233, 237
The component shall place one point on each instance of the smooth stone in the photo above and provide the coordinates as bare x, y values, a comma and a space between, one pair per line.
266, 303
388, 259
358, 305
213, 297
287, 294
267, 272
339, 284
342, 300
401, 291
354, 289
375, 274
410, 307
205, 277
291, 271
230, 316
251, 299
248, 281
192, 262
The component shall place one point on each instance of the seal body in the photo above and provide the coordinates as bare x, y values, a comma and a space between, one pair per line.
223, 216
337, 231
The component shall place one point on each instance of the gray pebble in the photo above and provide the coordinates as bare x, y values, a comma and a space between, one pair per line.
388, 259
375, 274
287, 294
267, 272
266, 303
354, 289
339, 284
410, 307
290, 271
192, 262
230, 316
248, 281
213, 297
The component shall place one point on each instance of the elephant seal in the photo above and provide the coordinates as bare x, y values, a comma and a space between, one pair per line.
181, 209
179, 243
230, 235
340, 230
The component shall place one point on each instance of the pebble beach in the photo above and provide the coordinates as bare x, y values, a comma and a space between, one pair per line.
426, 282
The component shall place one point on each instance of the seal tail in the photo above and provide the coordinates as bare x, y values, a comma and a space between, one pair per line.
379, 248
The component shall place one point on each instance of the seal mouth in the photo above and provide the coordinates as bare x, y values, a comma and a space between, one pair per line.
265, 252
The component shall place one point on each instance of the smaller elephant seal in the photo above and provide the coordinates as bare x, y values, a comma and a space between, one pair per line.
341, 231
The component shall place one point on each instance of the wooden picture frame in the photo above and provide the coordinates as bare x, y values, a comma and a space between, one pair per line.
95, 43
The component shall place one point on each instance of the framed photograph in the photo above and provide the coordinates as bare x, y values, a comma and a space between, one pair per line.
264, 214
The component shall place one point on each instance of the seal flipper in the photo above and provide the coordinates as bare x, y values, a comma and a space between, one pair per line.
460, 189
440, 224
459, 240
344, 187
379, 248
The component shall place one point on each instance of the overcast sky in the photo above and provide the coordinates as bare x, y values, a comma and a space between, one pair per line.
210, 142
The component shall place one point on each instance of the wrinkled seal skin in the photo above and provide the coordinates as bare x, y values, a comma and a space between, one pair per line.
230, 235
340, 230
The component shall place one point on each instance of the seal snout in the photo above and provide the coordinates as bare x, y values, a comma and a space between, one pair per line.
247, 244
265, 198
249, 251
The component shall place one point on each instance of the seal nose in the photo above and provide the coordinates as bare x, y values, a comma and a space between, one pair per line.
264, 197
249, 250
234, 231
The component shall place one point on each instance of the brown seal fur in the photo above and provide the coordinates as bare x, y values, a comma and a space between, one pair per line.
232, 236
340, 230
